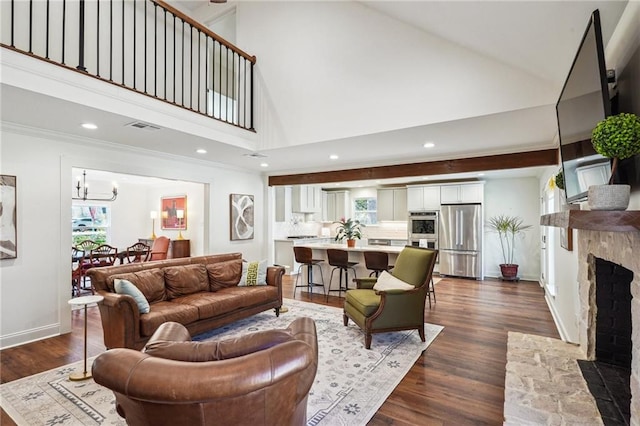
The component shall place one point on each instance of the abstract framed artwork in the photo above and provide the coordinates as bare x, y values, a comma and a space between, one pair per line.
174, 212
8, 217
241, 216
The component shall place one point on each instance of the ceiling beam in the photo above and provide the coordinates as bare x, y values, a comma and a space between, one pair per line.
518, 160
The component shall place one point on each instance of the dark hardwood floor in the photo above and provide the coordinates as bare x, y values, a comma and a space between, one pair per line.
459, 380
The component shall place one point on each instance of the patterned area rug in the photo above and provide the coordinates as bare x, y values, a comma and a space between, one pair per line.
350, 386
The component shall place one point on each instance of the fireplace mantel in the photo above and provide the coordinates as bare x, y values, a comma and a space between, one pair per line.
594, 220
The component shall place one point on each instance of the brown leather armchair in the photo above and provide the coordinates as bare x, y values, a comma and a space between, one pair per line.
261, 378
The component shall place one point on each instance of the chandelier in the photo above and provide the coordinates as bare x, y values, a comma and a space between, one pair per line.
82, 190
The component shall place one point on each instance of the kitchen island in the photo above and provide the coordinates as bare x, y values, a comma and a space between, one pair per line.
356, 254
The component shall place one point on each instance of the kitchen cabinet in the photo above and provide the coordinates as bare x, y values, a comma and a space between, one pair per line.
283, 203
335, 205
462, 193
423, 197
392, 204
306, 199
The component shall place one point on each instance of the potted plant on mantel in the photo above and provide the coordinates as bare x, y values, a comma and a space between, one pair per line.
617, 137
508, 227
349, 229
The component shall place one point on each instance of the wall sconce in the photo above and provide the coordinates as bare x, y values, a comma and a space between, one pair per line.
180, 216
153, 215
84, 195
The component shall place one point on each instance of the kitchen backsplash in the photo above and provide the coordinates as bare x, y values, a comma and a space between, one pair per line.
390, 230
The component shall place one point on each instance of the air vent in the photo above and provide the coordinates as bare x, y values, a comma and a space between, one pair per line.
255, 155
143, 125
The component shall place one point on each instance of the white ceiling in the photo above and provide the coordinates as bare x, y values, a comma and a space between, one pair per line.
540, 37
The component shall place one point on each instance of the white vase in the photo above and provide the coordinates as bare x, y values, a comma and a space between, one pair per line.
609, 197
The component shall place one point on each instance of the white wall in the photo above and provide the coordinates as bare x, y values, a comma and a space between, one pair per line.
36, 286
353, 85
517, 197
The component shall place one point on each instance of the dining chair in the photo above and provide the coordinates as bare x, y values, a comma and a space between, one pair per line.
77, 271
87, 245
139, 252
160, 248
103, 255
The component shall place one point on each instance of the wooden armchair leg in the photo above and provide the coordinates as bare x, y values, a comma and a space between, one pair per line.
345, 319
367, 341
421, 332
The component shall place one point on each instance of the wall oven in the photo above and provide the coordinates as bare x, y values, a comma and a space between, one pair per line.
423, 225
423, 229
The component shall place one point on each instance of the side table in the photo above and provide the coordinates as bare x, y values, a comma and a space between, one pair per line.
84, 300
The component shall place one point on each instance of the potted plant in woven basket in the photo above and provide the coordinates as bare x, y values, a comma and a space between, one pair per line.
349, 229
616, 137
508, 228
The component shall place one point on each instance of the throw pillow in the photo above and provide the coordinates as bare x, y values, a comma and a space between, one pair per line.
127, 287
386, 281
253, 273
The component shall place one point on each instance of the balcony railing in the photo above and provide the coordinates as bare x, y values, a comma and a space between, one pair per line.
143, 45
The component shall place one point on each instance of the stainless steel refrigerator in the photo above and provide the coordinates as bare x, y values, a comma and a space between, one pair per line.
460, 240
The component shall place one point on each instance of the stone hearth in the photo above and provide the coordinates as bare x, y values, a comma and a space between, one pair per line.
529, 399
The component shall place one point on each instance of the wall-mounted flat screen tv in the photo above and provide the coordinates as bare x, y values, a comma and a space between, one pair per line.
583, 102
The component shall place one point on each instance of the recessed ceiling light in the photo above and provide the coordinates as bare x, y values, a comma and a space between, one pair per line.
338, 184
429, 145
425, 178
89, 126
264, 165
333, 157
201, 151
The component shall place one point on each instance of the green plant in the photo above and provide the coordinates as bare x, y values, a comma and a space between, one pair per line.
349, 229
507, 227
617, 137
559, 179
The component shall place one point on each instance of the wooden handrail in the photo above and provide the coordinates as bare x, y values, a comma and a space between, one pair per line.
204, 29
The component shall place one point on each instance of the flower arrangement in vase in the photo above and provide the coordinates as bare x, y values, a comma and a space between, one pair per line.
349, 229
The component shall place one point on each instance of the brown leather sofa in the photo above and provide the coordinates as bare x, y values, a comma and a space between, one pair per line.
199, 292
261, 378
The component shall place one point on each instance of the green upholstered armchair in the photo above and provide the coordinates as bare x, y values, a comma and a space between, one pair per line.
393, 310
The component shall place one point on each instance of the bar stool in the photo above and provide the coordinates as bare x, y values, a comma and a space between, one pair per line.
431, 289
304, 256
339, 259
377, 261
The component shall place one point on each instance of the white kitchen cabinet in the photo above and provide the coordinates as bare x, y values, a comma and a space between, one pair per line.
392, 204
306, 199
283, 203
423, 197
462, 193
335, 205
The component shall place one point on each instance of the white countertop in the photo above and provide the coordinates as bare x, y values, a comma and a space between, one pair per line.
343, 246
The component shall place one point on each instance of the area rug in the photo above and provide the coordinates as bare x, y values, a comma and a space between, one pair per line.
350, 386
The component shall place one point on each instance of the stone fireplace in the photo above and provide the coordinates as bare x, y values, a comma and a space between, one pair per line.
612, 237
621, 248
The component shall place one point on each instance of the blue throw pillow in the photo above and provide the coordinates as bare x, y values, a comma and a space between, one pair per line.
127, 287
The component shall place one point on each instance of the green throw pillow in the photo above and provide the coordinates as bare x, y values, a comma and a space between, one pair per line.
127, 287
253, 273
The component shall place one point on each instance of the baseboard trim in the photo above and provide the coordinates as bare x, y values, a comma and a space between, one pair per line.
28, 336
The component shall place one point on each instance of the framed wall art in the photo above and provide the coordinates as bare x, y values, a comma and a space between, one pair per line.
174, 212
241, 216
8, 217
